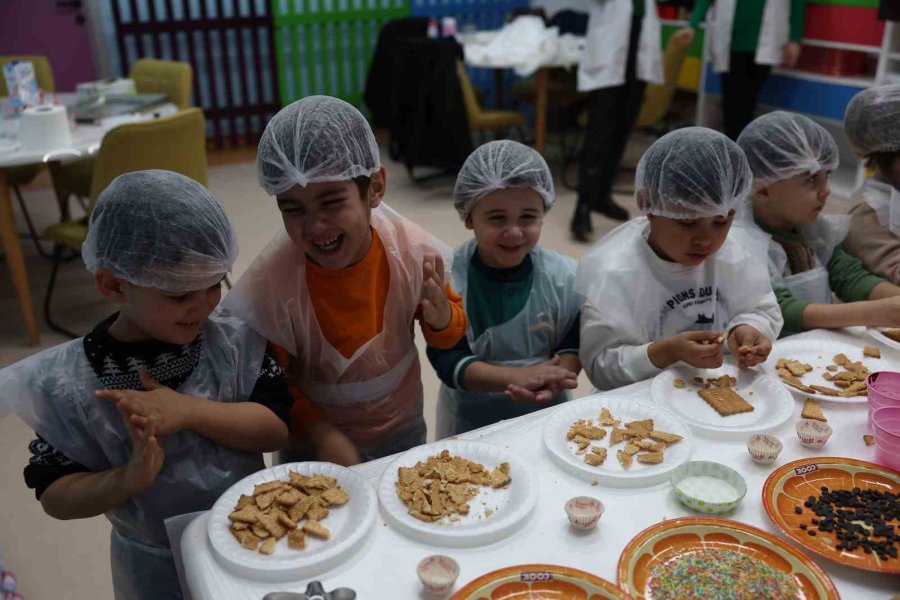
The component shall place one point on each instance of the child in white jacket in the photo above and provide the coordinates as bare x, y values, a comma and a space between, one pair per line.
671, 286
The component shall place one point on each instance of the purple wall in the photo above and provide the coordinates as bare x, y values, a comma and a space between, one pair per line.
39, 27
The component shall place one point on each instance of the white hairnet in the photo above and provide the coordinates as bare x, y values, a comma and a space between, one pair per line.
498, 165
692, 172
316, 139
780, 145
162, 230
872, 120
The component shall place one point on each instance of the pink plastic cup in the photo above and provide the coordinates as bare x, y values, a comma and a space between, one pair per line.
883, 392
886, 422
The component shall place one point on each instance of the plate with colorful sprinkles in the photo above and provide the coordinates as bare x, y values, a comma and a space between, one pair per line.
706, 557
844, 509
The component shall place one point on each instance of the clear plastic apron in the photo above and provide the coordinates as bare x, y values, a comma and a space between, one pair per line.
376, 393
54, 393
529, 338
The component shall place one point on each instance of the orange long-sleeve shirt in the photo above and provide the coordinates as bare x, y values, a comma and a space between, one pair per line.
349, 305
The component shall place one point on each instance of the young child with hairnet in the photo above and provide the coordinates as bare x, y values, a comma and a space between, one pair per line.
671, 286
165, 404
520, 352
872, 124
341, 286
791, 156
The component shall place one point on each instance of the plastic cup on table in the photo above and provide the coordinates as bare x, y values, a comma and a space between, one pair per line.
883, 391
886, 422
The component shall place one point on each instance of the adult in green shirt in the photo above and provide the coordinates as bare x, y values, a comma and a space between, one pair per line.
791, 156
749, 37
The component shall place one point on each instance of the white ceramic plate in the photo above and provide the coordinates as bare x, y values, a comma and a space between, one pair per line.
510, 506
772, 404
876, 333
819, 354
349, 524
611, 472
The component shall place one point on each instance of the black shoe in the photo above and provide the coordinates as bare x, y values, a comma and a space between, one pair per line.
581, 226
612, 210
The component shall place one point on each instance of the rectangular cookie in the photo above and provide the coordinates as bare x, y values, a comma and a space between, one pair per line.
726, 401
872, 352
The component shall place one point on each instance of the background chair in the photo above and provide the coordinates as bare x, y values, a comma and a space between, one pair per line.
482, 120
16, 177
151, 76
175, 143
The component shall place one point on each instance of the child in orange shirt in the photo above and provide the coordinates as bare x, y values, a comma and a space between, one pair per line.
339, 288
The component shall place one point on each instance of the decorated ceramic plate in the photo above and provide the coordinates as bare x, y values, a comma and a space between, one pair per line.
539, 582
772, 403
788, 489
700, 557
819, 354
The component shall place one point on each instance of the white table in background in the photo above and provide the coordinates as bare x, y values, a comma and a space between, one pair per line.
86, 140
385, 565
540, 80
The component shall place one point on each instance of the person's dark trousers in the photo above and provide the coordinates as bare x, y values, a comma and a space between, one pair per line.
741, 86
611, 116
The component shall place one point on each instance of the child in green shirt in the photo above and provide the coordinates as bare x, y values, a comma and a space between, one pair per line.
791, 156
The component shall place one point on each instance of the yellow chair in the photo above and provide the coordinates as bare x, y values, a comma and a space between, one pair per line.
16, 177
658, 98
482, 120
151, 76
175, 143
170, 77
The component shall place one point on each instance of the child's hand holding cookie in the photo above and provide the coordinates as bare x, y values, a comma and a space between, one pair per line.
435, 306
748, 346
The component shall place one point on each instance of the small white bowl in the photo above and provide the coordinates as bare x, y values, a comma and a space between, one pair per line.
812, 433
438, 573
764, 449
584, 512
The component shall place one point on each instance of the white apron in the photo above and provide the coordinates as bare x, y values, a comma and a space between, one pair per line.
606, 45
823, 236
377, 393
774, 33
53, 392
529, 338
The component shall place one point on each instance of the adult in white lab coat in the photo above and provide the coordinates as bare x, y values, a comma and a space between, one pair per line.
622, 55
749, 37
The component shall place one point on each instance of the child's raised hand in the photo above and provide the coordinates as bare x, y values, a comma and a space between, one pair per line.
701, 349
146, 460
435, 306
160, 408
749, 346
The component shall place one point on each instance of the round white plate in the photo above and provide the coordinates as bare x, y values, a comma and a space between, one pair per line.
348, 525
819, 354
772, 404
511, 505
7, 145
876, 333
611, 472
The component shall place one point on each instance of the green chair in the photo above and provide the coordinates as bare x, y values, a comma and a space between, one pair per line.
151, 76
16, 177
175, 143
